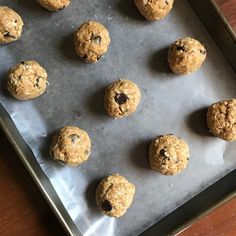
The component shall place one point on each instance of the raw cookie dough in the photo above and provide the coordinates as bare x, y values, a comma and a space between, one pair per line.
11, 25
121, 98
168, 154
71, 146
186, 55
154, 9
27, 80
114, 195
91, 41
221, 119
54, 5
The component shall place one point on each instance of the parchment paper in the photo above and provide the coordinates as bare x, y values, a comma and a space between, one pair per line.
169, 104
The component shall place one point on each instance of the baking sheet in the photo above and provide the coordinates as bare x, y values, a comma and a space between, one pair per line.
169, 104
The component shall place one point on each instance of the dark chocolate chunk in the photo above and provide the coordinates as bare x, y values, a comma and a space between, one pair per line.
162, 152
180, 48
96, 38
8, 35
22, 62
37, 82
98, 57
166, 2
84, 57
202, 52
106, 205
121, 98
59, 9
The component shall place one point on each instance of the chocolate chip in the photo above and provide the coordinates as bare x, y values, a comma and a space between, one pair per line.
22, 62
8, 35
121, 98
37, 82
74, 137
188, 159
99, 56
180, 48
84, 57
106, 205
162, 152
59, 9
166, 3
96, 38
202, 52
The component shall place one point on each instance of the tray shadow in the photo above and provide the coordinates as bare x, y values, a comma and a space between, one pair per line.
33, 6
3, 85
128, 9
96, 102
139, 154
196, 121
157, 61
66, 48
45, 149
90, 196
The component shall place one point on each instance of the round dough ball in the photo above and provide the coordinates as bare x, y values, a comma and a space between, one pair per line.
186, 55
27, 80
91, 41
54, 5
114, 195
121, 98
11, 25
221, 119
154, 9
168, 154
71, 146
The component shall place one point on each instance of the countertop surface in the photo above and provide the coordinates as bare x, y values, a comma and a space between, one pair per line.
25, 212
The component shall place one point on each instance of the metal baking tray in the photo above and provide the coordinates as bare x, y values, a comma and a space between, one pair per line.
138, 52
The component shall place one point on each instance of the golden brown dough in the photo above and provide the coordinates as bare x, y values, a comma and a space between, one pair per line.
168, 154
91, 41
221, 119
27, 80
11, 25
186, 55
154, 9
71, 146
114, 195
121, 98
54, 5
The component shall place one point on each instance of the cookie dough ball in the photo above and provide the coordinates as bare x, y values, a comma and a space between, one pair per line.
27, 80
114, 195
121, 98
186, 56
154, 9
11, 25
71, 146
221, 119
91, 41
54, 5
168, 154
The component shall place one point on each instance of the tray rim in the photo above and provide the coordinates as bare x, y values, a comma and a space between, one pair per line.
191, 222
43, 183
8, 127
